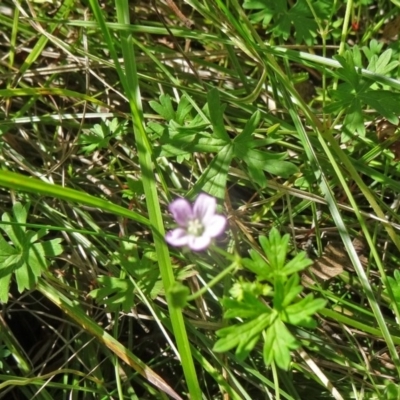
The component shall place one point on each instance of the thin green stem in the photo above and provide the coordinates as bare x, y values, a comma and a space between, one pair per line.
130, 82
213, 281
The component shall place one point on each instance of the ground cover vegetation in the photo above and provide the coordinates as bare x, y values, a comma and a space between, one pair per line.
199, 199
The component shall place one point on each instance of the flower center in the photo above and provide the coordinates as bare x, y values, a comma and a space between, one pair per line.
195, 227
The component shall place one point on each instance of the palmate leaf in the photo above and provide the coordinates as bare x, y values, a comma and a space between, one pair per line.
100, 135
290, 291
213, 179
248, 307
38, 252
216, 111
354, 120
385, 102
251, 125
164, 107
184, 143
117, 294
183, 110
26, 256
374, 49
300, 313
347, 97
8, 255
279, 18
356, 92
268, 9
275, 248
182, 140
251, 301
348, 72
259, 266
258, 161
305, 27
382, 64
242, 336
297, 264
278, 344
16, 232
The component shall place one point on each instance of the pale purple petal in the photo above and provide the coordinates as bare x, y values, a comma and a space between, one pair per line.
204, 207
177, 237
192, 221
181, 211
215, 226
198, 243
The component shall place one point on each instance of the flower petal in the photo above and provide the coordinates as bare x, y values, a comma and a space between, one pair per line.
198, 243
215, 226
204, 207
181, 211
177, 237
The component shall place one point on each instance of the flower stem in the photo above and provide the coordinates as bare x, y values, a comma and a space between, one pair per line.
235, 264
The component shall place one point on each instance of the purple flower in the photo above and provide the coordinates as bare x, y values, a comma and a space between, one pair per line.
197, 225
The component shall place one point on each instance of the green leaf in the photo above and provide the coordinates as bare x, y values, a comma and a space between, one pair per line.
242, 288
285, 169
243, 336
298, 263
6, 250
382, 64
385, 102
291, 290
305, 27
275, 247
213, 179
255, 173
354, 120
206, 144
257, 160
117, 294
348, 71
156, 130
392, 391
164, 107
39, 251
143, 270
4, 287
184, 108
258, 265
278, 344
135, 188
25, 277
300, 312
357, 57
374, 49
190, 128
249, 307
27, 259
15, 232
299, 17
176, 144
100, 135
395, 285
178, 295
216, 112
349, 99
269, 9
250, 127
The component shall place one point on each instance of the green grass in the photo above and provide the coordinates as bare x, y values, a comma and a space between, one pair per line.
287, 114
